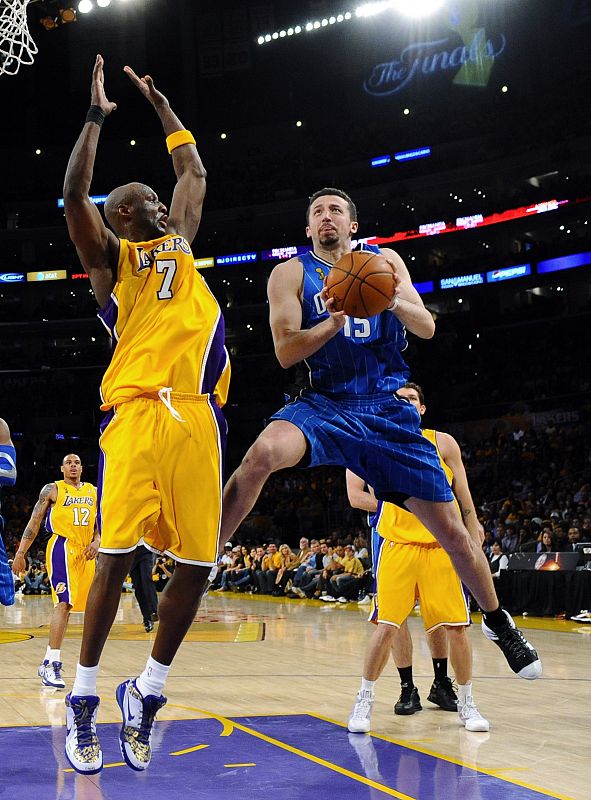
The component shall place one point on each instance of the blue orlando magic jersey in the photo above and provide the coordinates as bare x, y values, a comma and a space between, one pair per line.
365, 356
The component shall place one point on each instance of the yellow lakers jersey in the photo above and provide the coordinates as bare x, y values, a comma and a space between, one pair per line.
74, 513
166, 324
398, 525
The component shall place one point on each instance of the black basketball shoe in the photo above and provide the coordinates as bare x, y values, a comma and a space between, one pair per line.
520, 655
409, 700
443, 695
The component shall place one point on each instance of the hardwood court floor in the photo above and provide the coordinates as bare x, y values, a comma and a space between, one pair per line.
276, 680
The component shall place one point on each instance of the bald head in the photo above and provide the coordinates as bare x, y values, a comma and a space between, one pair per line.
119, 203
4, 433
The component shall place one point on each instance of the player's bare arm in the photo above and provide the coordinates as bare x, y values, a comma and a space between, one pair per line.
7, 463
96, 245
408, 305
452, 455
47, 496
360, 496
292, 344
189, 193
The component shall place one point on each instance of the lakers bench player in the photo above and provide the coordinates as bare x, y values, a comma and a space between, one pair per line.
69, 509
164, 433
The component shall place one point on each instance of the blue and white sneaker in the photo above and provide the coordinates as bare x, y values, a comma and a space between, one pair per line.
83, 749
51, 674
138, 717
41, 667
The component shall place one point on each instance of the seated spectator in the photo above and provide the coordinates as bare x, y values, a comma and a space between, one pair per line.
270, 566
236, 564
574, 537
244, 578
312, 562
346, 584
288, 562
547, 543
510, 540
497, 559
361, 551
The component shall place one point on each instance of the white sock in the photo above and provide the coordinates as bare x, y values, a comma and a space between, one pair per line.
367, 686
153, 678
464, 691
47, 652
52, 655
85, 681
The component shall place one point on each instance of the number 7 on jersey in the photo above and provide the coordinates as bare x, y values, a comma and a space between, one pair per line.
168, 267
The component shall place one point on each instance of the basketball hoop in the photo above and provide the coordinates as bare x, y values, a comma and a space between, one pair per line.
16, 43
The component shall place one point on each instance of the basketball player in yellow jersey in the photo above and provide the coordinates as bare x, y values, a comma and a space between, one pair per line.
162, 442
408, 559
69, 510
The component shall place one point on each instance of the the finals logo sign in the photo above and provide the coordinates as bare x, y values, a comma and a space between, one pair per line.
472, 61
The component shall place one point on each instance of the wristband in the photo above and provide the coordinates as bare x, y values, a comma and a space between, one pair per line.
394, 304
95, 114
179, 138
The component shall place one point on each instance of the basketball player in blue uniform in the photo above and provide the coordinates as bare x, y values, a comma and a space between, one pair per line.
350, 414
7, 478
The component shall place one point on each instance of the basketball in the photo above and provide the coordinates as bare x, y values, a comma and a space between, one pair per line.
362, 284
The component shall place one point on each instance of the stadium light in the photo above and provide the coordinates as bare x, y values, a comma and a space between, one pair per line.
410, 8
305, 27
85, 6
103, 3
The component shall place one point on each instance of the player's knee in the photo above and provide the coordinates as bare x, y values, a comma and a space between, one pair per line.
265, 456
456, 539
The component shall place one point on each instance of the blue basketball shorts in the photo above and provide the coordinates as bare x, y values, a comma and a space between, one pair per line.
376, 437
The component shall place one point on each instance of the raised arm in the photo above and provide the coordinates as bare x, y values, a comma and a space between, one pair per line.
187, 201
408, 306
452, 455
47, 496
292, 344
359, 496
97, 246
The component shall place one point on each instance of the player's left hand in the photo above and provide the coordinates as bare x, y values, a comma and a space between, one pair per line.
91, 551
146, 87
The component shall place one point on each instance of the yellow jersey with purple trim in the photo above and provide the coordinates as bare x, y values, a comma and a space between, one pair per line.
74, 513
396, 524
167, 326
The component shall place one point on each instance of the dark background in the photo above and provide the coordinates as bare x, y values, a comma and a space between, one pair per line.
502, 354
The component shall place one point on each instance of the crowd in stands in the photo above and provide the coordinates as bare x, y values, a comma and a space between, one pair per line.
329, 570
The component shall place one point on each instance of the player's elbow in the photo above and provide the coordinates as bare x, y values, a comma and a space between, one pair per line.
428, 328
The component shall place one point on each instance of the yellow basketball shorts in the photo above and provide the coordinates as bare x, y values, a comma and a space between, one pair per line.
407, 570
160, 478
70, 573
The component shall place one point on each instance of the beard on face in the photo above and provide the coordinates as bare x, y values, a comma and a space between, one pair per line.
328, 238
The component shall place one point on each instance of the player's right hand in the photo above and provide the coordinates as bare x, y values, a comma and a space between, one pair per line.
339, 317
19, 564
97, 91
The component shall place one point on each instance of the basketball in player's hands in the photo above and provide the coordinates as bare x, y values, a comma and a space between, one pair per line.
362, 284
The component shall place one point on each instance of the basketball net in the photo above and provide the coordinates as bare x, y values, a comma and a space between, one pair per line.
16, 43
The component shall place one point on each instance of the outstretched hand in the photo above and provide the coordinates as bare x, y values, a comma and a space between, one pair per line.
97, 91
146, 87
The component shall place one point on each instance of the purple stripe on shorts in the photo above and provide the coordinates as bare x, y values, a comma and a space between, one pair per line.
101, 470
223, 432
48, 527
466, 593
216, 359
59, 570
